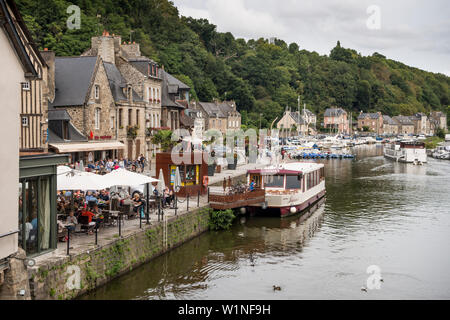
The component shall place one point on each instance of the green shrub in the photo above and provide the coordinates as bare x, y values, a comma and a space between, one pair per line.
221, 220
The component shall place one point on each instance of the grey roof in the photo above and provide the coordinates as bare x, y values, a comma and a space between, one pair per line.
334, 112
297, 119
166, 101
403, 120
72, 80
117, 83
54, 115
388, 120
308, 112
368, 115
141, 64
74, 136
172, 81
217, 110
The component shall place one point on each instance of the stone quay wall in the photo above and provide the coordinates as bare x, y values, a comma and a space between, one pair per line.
70, 277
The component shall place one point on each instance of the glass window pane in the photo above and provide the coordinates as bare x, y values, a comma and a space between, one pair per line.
274, 181
293, 182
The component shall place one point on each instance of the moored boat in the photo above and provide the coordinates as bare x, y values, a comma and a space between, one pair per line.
289, 188
406, 151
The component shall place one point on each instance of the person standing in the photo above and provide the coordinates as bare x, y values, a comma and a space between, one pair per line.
224, 184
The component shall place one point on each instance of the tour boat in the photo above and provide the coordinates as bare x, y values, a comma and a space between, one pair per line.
406, 151
289, 188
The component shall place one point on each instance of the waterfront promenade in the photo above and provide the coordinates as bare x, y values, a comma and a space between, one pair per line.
179, 227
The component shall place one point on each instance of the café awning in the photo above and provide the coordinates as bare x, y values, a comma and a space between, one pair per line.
87, 146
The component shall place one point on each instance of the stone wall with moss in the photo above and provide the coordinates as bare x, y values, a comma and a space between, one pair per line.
98, 266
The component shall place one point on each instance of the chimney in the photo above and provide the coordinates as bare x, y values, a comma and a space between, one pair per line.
104, 47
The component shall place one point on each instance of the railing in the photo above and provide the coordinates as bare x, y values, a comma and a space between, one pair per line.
222, 200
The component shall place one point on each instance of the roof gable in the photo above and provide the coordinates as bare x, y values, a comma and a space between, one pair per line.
73, 77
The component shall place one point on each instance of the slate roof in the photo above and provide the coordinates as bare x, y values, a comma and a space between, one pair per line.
388, 120
297, 119
172, 81
72, 80
334, 112
308, 112
168, 81
219, 110
141, 64
117, 83
61, 115
74, 136
403, 120
368, 115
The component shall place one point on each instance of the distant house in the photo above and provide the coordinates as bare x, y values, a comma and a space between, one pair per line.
421, 125
438, 119
309, 117
405, 124
336, 120
374, 121
221, 116
175, 97
291, 124
390, 127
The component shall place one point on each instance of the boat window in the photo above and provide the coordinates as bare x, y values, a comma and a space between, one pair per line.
293, 182
274, 181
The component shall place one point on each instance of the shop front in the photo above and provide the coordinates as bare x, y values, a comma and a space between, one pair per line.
192, 173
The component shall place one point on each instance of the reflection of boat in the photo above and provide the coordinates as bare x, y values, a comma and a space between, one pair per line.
406, 151
289, 188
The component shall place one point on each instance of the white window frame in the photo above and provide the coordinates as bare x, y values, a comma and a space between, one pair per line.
26, 86
26, 122
97, 117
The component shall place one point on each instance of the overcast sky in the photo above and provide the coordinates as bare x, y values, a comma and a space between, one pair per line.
415, 32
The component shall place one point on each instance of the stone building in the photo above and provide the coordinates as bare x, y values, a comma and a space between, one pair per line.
438, 119
291, 124
421, 123
174, 98
390, 127
336, 120
374, 121
221, 116
144, 77
83, 90
405, 125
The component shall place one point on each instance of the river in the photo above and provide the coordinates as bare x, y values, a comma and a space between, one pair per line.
393, 216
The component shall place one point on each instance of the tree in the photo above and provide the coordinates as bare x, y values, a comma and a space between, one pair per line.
164, 138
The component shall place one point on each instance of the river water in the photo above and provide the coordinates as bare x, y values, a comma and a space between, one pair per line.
393, 216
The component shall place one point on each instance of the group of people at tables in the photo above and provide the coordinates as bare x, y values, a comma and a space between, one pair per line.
71, 208
74, 205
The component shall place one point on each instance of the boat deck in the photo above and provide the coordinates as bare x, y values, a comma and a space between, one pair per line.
224, 200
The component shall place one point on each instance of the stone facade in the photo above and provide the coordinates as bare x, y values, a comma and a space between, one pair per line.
374, 121
96, 115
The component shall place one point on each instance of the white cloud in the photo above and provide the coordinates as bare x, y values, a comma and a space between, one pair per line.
415, 32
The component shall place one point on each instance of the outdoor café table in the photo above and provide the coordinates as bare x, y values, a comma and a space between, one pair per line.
114, 215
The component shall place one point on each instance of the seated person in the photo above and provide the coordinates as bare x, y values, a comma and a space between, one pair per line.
139, 205
90, 197
71, 221
90, 215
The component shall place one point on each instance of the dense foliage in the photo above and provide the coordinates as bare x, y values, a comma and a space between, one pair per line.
262, 78
221, 220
